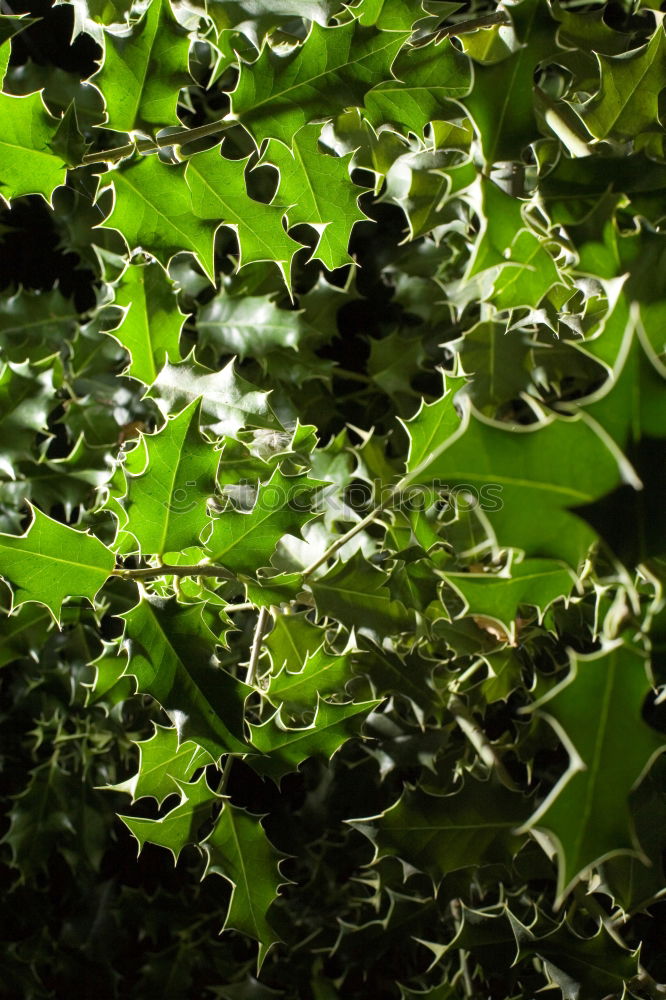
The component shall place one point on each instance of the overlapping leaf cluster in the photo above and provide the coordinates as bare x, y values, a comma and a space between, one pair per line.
336, 456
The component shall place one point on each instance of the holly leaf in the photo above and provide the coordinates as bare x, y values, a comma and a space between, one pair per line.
182, 824
318, 191
332, 70
228, 401
535, 582
52, 562
218, 193
172, 655
583, 967
23, 633
291, 640
152, 209
152, 322
26, 400
587, 814
501, 102
427, 78
627, 103
27, 163
246, 541
356, 593
248, 325
239, 851
164, 763
33, 325
439, 834
286, 748
143, 71
524, 480
496, 361
321, 673
406, 674
170, 480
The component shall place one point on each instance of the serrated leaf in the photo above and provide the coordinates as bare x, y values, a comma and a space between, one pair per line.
587, 813
27, 163
152, 209
34, 325
439, 834
627, 102
291, 640
285, 748
166, 502
534, 475
427, 79
52, 562
181, 825
151, 326
248, 325
536, 582
171, 652
143, 70
318, 191
501, 101
321, 673
228, 401
356, 593
23, 633
218, 193
584, 967
246, 541
331, 71
239, 850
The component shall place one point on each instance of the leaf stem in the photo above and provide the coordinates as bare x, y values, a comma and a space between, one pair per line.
343, 539
152, 572
480, 741
255, 652
152, 145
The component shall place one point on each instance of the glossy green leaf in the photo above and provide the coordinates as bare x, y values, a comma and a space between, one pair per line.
170, 484
143, 70
285, 747
151, 326
246, 541
356, 593
181, 825
627, 102
442, 833
218, 192
172, 655
228, 401
331, 71
163, 763
535, 582
587, 813
318, 191
239, 850
52, 562
152, 209
27, 163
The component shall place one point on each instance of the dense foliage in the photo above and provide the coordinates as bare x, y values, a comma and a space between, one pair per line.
331, 499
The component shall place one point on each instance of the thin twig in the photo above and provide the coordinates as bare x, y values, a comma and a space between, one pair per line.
343, 539
180, 138
230, 608
226, 771
152, 572
480, 741
255, 652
